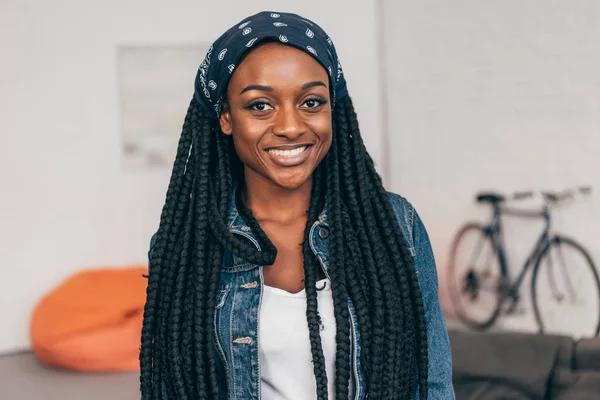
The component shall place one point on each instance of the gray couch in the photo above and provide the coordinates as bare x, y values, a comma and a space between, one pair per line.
499, 366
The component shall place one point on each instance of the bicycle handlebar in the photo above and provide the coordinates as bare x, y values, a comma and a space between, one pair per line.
549, 198
554, 197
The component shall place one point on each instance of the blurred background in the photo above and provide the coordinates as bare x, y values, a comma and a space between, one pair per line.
454, 98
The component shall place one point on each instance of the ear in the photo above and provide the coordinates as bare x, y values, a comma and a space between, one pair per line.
225, 119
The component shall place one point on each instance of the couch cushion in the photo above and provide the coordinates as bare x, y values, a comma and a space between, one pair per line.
587, 354
511, 361
575, 385
489, 391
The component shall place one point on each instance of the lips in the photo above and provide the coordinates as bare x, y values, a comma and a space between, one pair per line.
289, 156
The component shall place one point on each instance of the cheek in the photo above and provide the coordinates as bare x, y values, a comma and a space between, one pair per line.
243, 147
323, 128
248, 129
246, 135
321, 123
325, 149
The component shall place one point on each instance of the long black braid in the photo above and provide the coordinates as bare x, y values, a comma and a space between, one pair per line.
369, 264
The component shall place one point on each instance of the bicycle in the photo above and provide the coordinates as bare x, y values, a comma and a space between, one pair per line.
491, 277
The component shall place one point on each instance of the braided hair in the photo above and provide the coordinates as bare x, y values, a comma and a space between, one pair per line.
369, 264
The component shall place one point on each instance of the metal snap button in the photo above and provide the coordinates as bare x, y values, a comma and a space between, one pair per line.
323, 232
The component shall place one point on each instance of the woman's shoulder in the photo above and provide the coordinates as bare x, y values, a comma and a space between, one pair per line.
440, 357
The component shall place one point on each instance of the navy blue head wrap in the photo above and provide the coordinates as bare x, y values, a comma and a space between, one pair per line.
225, 54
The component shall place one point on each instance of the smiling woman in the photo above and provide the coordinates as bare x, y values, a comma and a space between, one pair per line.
282, 269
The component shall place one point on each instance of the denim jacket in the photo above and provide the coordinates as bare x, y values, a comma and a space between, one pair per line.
239, 298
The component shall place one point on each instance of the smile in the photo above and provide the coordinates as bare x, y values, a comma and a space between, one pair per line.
288, 153
290, 157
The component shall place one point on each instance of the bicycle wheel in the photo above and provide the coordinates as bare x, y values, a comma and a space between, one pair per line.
474, 277
565, 290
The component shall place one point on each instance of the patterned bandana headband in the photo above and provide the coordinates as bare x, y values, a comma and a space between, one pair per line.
225, 54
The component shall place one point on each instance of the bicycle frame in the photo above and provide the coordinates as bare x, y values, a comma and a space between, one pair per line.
495, 232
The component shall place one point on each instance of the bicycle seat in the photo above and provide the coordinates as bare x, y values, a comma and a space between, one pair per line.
493, 198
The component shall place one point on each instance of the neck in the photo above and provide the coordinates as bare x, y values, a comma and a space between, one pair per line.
270, 202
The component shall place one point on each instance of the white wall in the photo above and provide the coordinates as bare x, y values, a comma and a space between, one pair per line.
500, 95
66, 204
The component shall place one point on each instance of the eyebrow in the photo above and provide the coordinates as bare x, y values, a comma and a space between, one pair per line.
313, 84
264, 88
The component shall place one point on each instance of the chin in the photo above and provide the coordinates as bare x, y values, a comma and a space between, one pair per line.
291, 183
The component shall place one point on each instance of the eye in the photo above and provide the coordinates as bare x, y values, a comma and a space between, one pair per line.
259, 106
313, 103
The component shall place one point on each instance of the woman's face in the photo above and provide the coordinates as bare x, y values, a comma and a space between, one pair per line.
279, 114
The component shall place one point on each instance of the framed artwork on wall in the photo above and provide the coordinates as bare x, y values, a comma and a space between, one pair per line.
156, 84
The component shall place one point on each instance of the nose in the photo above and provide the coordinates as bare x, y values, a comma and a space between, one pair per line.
288, 123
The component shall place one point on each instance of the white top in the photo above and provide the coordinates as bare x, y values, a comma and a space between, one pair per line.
286, 369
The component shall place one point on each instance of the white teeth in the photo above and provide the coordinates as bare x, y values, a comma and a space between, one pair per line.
288, 153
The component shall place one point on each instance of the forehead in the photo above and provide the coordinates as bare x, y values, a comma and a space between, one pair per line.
278, 62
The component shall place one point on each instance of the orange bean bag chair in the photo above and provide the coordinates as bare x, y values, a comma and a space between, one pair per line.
92, 321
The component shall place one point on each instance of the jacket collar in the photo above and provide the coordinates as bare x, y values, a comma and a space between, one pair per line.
318, 238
